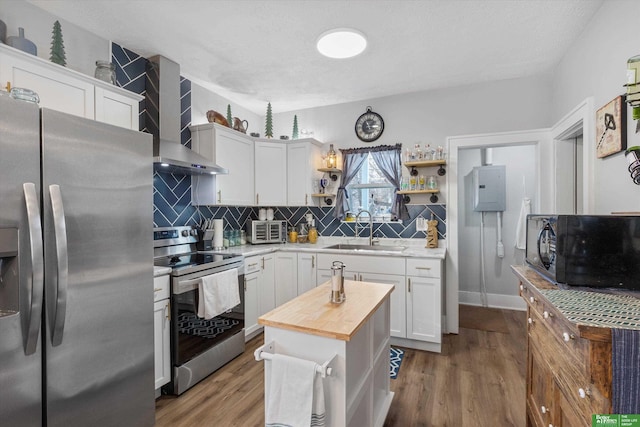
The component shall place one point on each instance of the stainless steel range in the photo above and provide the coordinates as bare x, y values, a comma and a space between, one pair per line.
198, 346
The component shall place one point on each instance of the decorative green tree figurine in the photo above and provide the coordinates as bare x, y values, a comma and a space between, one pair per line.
294, 135
229, 116
269, 126
57, 46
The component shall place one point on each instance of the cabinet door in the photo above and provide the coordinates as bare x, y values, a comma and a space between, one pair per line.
251, 303
322, 276
267, 284
235, 152
56, 87
286, 277
306, 272
423, 309
161, 343
270, 173
303, 160
116, 109
398, 321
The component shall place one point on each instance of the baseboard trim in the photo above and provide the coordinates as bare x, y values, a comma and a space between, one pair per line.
509, 302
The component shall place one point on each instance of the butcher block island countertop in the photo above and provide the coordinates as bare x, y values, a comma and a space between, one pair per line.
312, 313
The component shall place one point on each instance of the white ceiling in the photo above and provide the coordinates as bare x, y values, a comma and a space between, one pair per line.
254, 51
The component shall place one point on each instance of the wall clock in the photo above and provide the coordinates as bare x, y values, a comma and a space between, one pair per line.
369, 126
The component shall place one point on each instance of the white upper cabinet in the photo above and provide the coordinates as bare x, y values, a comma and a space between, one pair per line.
69, 91
304, 157
231, 150
271, 173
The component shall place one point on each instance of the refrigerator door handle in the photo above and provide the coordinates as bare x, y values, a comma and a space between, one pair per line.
36, 278
58, 313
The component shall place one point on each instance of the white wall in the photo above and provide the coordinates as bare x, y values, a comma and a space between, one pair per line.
521, 180
203, 100
431, 116
81, 47
596, 66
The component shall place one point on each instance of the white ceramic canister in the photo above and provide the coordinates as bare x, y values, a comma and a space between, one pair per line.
269, 214
262, 214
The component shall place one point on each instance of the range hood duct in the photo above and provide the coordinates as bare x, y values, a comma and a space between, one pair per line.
163, 121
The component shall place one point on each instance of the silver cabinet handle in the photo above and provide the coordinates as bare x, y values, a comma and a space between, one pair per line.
219, 196
313, 261
257, 199
58, 285
36, 277
423, 268
306, 199
409, 283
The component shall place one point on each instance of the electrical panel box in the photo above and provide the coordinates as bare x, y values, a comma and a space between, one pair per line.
489, 188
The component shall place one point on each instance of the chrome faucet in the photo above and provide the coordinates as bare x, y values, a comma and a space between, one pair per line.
370, 226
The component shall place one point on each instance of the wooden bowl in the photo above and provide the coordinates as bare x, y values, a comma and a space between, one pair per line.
215, 117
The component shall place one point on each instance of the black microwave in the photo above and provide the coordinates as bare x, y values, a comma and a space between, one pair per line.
585, 250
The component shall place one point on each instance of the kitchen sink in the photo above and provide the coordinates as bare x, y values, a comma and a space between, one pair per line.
376, 248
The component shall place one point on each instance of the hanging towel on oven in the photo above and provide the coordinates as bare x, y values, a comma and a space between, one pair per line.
625, 355
218, 293
296, 394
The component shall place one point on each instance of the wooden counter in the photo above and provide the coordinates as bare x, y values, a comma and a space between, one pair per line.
312, 313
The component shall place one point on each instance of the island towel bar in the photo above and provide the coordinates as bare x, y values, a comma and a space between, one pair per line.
265, 352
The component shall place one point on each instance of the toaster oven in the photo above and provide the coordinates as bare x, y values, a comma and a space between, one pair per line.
259, 232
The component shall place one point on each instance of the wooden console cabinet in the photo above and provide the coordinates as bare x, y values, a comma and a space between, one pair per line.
568, 364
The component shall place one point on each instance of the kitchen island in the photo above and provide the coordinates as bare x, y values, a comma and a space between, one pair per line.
352, 339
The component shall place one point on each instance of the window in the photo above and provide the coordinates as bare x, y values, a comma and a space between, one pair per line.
371, 191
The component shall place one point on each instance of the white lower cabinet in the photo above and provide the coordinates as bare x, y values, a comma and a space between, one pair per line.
423, 309
398, 316
286, 267
259, 291
416, 301
307, 267
161, 331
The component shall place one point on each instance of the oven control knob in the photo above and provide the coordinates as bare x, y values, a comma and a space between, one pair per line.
185, 233
194, 232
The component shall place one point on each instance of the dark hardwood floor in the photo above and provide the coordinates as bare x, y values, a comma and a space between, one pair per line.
478, 380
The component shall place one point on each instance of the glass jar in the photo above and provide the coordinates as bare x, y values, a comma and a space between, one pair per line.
105, 71
243, 237
422, 182
432, 183
293, 235
226, 240
313, 235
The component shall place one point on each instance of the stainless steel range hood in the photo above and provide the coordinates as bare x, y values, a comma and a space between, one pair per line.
163, 121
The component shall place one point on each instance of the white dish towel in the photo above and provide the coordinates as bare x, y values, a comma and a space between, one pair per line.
296, 394
521, 228
218, 293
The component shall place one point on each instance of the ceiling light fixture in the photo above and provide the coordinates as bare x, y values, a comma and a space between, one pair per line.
341, 43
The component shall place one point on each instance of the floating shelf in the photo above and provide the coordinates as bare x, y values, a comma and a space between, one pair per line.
424, 163
418, 191
333, 172
407, 199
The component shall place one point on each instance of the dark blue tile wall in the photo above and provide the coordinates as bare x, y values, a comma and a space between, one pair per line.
172, 192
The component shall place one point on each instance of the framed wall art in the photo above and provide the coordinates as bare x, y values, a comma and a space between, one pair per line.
611, 126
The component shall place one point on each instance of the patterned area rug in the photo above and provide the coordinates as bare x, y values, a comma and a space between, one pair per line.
395, 360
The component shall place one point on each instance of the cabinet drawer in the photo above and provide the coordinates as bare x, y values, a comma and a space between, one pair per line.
160, 288
252, 264
424, 267
364, 263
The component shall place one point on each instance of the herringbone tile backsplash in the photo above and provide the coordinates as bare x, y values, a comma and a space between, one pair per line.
172, 192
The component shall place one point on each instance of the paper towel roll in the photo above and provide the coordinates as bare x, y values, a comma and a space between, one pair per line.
218, 232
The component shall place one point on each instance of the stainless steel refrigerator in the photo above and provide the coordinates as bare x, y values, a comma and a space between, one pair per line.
76, 272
